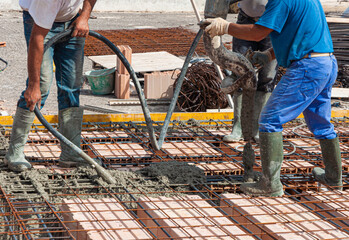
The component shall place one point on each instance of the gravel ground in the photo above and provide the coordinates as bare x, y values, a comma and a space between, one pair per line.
13, 78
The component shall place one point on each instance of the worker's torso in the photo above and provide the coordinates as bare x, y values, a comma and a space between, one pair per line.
253, 8
46, 12
299, 26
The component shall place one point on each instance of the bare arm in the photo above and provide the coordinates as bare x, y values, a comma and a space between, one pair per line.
249, 32
32, 94
80, 25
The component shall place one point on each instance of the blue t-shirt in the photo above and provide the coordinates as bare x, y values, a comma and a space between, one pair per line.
300, 27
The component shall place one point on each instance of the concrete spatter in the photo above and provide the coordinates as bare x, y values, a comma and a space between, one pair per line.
175, 173
4, 142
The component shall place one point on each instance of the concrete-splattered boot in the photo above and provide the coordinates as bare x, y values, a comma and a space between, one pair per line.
261, 99
272, 156
22, 123
70, 125
332, 174
236, 133
248, 159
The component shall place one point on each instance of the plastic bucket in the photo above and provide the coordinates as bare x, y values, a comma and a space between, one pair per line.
101, 81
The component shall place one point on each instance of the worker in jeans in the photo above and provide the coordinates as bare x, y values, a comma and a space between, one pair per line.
250, 11
304, 46
42, 20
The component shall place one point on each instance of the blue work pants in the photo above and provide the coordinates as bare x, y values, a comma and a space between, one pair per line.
68, 56
305, 88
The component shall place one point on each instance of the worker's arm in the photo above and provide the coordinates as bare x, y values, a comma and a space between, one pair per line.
249, 32
32, 95
80, 25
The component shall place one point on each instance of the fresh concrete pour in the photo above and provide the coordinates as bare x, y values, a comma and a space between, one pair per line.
158, 177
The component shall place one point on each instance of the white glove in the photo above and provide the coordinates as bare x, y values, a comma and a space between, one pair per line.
217, 27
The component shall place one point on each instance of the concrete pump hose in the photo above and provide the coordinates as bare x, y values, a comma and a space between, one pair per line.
100, 170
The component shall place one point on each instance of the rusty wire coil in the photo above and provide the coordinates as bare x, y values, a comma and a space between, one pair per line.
201, 89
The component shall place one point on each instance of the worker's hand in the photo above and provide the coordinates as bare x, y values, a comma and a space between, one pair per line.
32, 97
80, 26
261, 59
216, 27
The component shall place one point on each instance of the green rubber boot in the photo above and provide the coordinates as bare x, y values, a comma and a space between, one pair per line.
70, 125
332, 174
236, 133
272, 156
22, 123
261, 99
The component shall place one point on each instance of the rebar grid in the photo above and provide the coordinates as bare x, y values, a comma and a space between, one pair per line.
176, 41
62, 203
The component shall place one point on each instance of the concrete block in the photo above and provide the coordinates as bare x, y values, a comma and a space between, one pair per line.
127, 52
122, 86
114, 150
188, 217
158, 85
332, 205
279, 218
93, 219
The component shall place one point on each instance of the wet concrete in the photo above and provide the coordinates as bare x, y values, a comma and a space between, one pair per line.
175, 173
161, 179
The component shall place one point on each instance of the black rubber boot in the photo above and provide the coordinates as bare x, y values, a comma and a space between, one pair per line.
332, 174
272, 156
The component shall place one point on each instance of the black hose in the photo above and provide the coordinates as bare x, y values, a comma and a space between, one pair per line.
6, 64
67, 34
178, 87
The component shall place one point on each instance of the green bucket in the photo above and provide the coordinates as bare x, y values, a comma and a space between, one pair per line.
101, 81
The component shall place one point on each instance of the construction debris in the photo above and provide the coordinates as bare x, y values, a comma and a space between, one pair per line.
201, 89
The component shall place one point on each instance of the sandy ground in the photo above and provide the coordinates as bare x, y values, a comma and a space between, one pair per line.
13, 78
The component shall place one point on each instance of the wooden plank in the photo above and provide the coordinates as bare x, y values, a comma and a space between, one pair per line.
337, 20
340, 93
143, 62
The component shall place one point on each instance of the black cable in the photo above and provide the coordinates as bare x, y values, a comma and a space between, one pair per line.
6, 64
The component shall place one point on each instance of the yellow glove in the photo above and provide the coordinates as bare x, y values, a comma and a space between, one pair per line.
216, 27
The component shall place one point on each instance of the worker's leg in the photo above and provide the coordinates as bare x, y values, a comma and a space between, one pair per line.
239, 46
265, 85
236, 133
294, 93
68, 58
318, 116
23, 118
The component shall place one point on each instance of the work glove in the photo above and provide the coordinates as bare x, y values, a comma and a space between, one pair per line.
261, 59
216, 26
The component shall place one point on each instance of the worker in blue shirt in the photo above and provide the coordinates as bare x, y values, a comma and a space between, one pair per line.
302, 43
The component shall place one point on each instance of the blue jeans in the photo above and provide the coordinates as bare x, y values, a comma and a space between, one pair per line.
266, 76
68, 56
306, 87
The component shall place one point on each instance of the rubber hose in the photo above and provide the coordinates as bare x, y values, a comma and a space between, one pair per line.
67, 35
